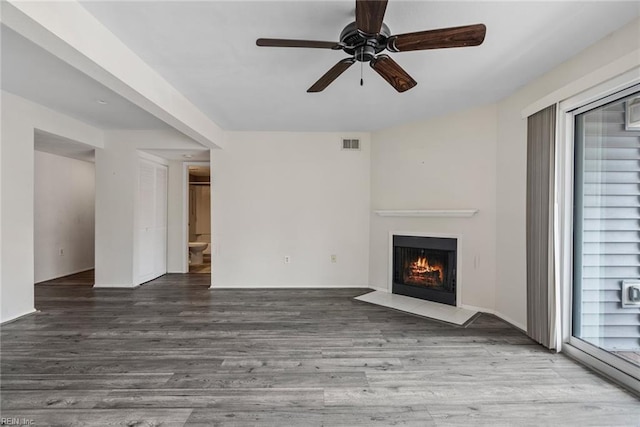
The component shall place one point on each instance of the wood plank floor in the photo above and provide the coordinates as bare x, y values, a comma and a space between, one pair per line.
85, 278
173, 352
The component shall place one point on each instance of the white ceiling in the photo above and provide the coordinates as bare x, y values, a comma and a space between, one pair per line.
32, 73
207, 50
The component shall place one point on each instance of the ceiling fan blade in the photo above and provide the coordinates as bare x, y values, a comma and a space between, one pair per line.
468, 35
331, 75
392, 73
298, 43
369, 15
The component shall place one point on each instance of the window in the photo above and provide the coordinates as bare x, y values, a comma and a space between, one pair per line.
606, 232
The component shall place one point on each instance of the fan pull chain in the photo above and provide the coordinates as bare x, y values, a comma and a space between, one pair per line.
361, 68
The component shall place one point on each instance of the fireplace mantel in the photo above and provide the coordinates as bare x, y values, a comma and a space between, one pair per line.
434, 213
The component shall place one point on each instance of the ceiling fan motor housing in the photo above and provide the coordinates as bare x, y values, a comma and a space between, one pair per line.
363, 47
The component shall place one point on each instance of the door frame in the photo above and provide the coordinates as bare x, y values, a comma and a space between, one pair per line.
612, 366
157, 161
184, 240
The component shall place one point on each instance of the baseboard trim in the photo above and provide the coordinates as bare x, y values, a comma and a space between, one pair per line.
420, 307
20, 316
510, 321
281, 286
112, 286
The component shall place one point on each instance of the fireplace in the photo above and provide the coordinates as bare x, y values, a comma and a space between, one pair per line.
425, 267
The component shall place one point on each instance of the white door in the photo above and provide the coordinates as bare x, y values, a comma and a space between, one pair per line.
151, 230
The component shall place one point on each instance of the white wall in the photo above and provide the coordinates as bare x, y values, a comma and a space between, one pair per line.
64, 216
443, 163
1, 223
295, 194
116, 183
582, 71
20, 118
116, 186
176, 250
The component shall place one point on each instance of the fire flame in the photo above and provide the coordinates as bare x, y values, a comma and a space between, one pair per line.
421, 266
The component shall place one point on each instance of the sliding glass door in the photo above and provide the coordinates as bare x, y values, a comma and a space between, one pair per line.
606, 231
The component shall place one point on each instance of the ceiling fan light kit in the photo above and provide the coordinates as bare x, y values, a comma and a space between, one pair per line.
366, 38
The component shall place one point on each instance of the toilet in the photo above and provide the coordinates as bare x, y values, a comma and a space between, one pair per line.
196, 250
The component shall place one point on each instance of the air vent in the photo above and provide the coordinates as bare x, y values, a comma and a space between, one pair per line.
350, 144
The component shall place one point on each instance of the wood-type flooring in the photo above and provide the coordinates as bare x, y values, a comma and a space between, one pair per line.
174, 352
85, 278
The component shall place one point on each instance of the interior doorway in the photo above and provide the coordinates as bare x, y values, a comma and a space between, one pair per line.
64, 211
199, 217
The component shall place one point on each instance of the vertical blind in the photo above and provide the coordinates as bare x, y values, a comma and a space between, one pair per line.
541, 129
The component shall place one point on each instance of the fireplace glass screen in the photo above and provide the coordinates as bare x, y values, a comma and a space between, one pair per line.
425, 267
419, 267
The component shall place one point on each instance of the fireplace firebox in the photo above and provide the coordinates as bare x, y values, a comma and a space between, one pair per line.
425, 267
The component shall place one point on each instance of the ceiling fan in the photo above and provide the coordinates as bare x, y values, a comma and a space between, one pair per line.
368, 36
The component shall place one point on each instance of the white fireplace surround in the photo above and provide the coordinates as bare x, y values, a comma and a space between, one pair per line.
459, 277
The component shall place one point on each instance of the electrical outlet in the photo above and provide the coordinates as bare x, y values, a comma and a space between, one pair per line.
287, 259
334, 258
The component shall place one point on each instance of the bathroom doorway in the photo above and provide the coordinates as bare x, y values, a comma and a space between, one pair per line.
199, 218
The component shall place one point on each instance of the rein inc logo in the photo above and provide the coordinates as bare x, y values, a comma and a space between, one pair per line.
5, 421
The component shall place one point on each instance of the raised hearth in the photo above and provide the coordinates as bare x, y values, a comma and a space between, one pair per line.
445, 313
